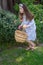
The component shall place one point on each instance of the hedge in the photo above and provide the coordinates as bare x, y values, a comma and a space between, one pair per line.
7, 26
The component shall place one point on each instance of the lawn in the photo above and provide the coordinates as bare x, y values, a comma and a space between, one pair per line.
19, 56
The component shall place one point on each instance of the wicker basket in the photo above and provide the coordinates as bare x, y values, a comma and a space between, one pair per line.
20, 36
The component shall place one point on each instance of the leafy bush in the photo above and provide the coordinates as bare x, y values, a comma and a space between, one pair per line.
16, 8
27, 2
37, 10
7, 26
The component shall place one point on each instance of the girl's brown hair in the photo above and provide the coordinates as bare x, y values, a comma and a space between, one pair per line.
29, 15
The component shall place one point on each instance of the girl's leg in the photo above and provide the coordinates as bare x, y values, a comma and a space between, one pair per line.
31, 45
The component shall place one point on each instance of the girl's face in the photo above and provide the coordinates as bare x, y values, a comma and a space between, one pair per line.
21, 9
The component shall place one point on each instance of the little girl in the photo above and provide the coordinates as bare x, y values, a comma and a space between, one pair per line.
28, 24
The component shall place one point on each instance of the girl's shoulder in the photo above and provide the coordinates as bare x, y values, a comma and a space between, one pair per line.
31, 20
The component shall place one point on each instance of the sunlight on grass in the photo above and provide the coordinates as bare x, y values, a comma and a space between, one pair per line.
19, 59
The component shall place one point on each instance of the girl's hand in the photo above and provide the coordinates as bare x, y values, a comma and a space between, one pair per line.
24, 26
19, 27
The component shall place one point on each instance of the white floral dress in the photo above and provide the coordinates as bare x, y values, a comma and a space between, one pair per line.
31, 30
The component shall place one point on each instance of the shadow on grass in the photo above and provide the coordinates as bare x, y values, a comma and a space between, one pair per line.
19, 56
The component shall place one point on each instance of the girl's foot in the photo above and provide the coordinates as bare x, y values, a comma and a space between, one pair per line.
28, 48
33, 48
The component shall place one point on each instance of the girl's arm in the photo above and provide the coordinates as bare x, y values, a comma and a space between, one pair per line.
21, 25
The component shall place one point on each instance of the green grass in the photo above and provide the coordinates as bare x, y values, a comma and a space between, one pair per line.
18, 56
